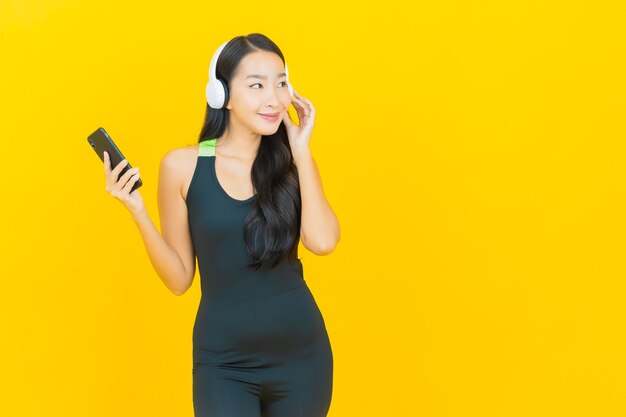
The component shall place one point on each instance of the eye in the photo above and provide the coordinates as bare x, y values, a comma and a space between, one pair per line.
282, 82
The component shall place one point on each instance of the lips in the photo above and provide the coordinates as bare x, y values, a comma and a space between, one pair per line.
269, 116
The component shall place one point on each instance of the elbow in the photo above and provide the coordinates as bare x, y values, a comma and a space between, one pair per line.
179, 292
325, 249
323, 252
183, 286
321, 247
328, 247
183, 290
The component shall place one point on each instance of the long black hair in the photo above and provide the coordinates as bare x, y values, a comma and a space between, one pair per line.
272, 225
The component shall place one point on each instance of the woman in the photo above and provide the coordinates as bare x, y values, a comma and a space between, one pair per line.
240, 201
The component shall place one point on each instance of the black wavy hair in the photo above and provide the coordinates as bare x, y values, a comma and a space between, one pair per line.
272, 225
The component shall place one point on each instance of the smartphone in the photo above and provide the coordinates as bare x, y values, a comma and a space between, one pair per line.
100, 141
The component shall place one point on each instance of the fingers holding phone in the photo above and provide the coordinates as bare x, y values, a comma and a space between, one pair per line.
120, 186
122, 180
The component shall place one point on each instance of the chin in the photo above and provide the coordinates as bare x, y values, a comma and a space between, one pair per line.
267, 132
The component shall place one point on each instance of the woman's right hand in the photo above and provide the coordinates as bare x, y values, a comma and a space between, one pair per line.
120, 188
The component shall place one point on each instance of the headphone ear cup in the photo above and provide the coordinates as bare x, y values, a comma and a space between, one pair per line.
212, 94
216, 93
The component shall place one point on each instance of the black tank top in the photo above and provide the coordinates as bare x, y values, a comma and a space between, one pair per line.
216, 224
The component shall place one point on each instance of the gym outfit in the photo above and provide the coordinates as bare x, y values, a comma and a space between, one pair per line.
260, 345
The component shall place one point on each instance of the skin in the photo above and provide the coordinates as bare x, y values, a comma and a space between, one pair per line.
171, 251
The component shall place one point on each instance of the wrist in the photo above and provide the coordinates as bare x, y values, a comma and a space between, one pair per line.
139, 214
303, 157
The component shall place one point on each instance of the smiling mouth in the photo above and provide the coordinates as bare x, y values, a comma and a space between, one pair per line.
270, 117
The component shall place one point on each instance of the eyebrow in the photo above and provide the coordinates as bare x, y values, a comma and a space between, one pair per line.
263, 77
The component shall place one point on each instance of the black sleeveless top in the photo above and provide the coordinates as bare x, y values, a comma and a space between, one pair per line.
216, 224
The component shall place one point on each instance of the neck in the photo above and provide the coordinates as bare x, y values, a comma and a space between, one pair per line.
238, 143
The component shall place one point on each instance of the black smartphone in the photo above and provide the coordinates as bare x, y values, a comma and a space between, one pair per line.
100, 141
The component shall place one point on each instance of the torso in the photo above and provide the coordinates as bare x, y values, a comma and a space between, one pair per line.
233, 174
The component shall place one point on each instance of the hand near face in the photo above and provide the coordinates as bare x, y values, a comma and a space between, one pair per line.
300, 135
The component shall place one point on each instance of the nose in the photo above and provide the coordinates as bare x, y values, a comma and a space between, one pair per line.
272, 98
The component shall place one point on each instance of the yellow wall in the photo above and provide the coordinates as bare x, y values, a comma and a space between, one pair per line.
473, 152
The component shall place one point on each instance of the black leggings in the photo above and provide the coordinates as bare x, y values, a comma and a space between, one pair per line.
262, 357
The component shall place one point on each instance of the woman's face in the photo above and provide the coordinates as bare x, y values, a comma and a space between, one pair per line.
259, 86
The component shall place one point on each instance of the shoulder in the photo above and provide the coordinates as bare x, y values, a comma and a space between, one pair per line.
179, 159
177, 165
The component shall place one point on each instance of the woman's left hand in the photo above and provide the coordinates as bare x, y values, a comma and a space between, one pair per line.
300, 135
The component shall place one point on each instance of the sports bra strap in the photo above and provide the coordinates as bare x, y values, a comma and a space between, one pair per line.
207, 147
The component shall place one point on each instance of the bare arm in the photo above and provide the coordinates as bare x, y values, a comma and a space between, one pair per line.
319, 229
171, 253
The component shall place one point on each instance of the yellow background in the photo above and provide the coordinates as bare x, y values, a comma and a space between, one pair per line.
473, 152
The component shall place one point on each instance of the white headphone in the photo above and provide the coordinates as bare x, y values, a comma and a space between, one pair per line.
216, 90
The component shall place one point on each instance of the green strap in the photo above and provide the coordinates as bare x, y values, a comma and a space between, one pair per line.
207, 147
